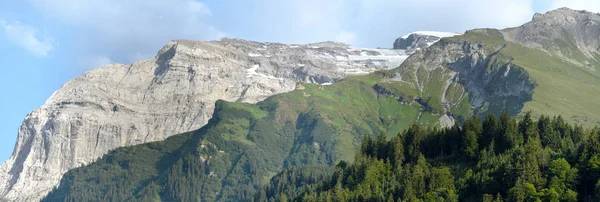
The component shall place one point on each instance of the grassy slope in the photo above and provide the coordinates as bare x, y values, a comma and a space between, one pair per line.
563, 87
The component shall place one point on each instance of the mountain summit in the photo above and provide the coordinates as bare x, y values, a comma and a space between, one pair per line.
573, 34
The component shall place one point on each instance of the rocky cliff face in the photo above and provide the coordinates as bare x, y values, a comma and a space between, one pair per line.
454, 71
557, 53
119, 105
493, 84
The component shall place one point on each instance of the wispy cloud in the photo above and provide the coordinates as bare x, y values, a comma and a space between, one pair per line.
100, 61
345, 37
27, 37
374, 23
122, 31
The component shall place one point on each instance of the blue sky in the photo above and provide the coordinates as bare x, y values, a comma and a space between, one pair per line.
45, 43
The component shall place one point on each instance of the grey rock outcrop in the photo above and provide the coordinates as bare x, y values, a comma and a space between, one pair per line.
419, 40
574, 33
174, 92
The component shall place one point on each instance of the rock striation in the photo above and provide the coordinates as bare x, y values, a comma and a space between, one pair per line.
174, 92
493, 85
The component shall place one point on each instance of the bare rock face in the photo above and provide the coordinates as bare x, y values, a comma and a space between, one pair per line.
419, 40
575, 33
174, 92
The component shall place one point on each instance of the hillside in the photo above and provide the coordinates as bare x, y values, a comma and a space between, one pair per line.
244, 145
479, 73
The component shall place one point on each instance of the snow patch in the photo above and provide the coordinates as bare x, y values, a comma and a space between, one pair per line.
507, 70
252, 72
432, 33
383, 54
340, 57
390, 58
355, 71
254, 54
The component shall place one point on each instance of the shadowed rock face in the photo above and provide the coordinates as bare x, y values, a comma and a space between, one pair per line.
493, 85
455, 68
174, 92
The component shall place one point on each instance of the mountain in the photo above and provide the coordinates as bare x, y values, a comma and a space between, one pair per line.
549, 65
174, 92
481, 72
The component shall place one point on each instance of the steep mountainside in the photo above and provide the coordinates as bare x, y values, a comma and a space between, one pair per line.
481, 72
565, 63
244, 145
119, 105
549, 65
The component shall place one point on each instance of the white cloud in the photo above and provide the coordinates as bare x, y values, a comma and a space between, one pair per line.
289, 21
27, 37
345, 37
589, 5
101, 61
125, 30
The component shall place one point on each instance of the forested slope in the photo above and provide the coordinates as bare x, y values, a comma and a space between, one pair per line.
497, 159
